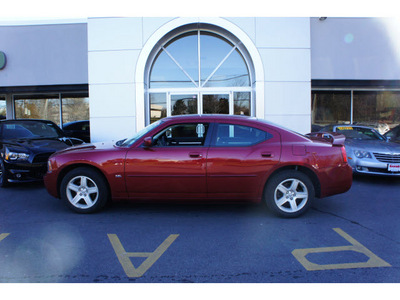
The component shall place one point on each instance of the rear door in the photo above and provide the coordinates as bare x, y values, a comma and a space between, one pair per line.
239, 159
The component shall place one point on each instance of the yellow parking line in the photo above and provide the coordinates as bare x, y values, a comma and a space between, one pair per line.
152, 257
373, 261
3, 236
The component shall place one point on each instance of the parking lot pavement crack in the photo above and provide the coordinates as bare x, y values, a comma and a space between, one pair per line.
358, 224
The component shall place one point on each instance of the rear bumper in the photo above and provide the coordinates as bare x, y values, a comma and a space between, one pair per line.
336, 180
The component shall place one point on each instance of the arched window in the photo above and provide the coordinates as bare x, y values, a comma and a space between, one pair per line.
199, 69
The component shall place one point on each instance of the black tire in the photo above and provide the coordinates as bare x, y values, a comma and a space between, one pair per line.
84, 190
289, 193
3, 175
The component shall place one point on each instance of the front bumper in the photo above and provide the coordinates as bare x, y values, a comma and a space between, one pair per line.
372, 167
25, 172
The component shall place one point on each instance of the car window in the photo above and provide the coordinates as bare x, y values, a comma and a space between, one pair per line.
359, 133
29, 130
190, 134
238, 135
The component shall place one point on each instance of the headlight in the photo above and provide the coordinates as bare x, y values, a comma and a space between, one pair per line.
362, 154
12, 156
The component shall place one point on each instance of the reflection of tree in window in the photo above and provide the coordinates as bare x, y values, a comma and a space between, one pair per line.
47, 109
184, 106
75, 109
213, 104
242, 103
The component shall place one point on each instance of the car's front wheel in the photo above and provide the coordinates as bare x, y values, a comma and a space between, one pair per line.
84, 190
289, 193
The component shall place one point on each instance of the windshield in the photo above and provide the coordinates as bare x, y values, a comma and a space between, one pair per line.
138, 135
359, 133
30, 129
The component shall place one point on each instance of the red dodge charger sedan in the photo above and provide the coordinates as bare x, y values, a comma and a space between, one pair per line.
204, 158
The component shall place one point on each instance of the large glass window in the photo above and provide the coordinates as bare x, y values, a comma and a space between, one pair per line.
3, 107
199, 72
377, 109
59, 108
330, 108
75, 107
45, 107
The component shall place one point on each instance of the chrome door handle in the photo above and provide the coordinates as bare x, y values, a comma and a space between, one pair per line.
267, 154
195, 154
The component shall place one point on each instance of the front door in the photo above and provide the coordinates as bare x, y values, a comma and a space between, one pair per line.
173, 168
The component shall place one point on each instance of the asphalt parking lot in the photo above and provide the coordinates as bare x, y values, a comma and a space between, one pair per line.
348, 238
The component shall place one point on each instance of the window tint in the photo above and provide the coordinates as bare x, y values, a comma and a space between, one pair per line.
238, 135
192, 134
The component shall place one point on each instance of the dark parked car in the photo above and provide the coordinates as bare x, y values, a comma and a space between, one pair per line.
25, 146
393, 134
78, 129
209, 158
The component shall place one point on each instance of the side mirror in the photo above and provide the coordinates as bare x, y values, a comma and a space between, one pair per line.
148, 141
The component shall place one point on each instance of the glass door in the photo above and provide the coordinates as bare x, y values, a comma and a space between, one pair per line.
201, 103
216, 103
183, 104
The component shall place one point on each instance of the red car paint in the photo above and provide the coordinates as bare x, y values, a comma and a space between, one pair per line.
206, 172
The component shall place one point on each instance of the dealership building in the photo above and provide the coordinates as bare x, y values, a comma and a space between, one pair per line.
124, 73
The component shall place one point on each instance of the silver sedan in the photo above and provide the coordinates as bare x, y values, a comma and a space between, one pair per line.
368, 152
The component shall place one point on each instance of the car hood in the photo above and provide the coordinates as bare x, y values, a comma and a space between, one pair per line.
373, 146
42, 145
90, 147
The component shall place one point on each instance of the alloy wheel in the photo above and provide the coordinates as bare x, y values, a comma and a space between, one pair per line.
82, 192
291, 195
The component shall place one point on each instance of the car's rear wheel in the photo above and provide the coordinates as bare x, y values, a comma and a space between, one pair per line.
289, 193
3, 175
84, 190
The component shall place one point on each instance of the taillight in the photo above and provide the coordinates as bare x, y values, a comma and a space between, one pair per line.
344, 155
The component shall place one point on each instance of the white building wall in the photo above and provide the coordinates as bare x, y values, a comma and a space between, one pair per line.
355, 48
118, 48
114, 45
284, 45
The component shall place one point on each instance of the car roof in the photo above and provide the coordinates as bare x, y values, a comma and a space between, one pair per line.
208, 116
218, 117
